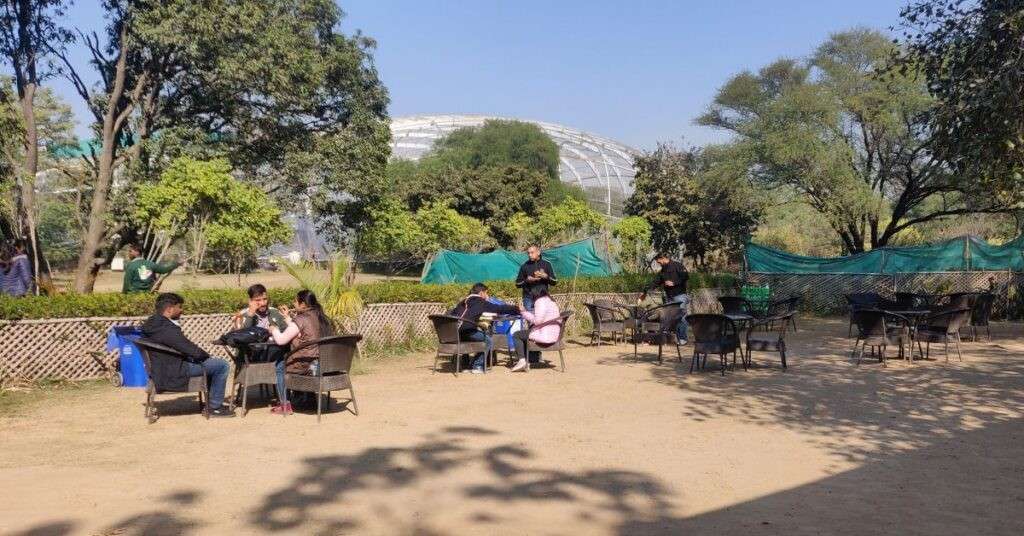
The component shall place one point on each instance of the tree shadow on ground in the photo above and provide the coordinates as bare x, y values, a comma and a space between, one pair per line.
334, 480
170, 520
857, 411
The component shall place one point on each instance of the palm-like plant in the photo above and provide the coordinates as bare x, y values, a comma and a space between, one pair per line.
340, 299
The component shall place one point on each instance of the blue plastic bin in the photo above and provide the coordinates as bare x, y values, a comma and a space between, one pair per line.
122, 339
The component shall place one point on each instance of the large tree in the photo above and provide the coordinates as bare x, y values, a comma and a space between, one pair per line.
273, 87
28, 33
972, 54
845, 138
693, 202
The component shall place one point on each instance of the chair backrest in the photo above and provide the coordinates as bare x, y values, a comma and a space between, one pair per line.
337, 353
671, 315
735, 305
982, 310
912, 300
446, 327
869, 322
709, 327
951, 320
565, 319
598, 314
863, 299
146, 347
781, 307
606, 309
957, 300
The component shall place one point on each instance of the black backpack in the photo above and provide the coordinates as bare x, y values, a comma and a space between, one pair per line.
244, 337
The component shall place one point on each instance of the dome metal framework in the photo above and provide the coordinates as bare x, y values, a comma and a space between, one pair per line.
601, 167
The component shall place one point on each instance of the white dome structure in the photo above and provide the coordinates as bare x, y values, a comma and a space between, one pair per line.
601, 167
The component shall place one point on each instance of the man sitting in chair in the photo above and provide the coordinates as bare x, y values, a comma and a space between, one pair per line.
470, 309
172, 373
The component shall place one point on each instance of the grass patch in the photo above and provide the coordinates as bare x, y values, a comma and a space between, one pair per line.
19, 396
374, 353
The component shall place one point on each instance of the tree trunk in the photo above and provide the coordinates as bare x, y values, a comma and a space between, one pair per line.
27, 191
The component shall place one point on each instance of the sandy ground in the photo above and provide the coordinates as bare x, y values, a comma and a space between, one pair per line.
108, 281
613, 446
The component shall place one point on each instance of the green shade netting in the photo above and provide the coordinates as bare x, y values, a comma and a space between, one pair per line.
958, 254
578, 258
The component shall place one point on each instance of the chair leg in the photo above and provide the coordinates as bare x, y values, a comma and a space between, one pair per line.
693, 359
724, 362
148, 413
679, 352
352, 391
881, 356
634, 347
319, 401
945, 344
782, 353
959, 355
660, 343
437, 357
854, 355
245, 399
562, 359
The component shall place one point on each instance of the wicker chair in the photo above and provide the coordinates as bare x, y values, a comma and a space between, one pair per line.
981, 313
606, 318
862, 300
249, 373
942, 327
333, 373
661, 332
713, 334
787, 308
557, 346
196, 384
773, 341
879, 329
913, 300
450, 344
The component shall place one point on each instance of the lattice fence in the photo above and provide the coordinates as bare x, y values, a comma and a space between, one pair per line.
825, 293
68, 348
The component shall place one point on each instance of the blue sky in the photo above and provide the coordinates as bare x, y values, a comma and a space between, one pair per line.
635, 71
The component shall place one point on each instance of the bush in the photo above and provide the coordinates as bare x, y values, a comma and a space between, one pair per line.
227, 300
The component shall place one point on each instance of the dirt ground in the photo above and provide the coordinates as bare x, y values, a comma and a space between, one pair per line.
108, 281
613, 446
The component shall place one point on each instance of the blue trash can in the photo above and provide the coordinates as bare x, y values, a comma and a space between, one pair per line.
133, 370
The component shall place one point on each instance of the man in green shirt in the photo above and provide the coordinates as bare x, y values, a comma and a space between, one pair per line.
140, 273
259, 313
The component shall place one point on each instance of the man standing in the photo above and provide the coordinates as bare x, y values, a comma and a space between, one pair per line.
672, 278
259, 313
140, 273
469, 310
535, 274
170, 372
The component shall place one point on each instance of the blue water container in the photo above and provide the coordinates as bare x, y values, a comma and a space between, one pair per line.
122, 339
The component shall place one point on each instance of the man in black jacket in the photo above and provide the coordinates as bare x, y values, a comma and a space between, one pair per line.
535, 274
470, 309
672, 279
170, 372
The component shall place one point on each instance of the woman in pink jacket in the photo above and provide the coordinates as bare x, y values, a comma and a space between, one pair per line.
546, 315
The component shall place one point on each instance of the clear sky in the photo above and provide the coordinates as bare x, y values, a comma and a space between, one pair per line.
635, 71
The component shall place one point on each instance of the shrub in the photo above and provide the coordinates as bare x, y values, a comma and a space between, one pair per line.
209, 301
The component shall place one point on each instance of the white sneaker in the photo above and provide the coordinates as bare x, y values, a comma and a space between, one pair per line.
683, 342
520, 366
476, 371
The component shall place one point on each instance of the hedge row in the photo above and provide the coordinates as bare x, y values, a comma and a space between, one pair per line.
224, 300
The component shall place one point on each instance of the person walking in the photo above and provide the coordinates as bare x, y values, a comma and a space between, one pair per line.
672, 279
17, 281
140, 273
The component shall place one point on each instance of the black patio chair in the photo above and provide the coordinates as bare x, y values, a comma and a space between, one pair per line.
152, 351
787, 308
773, 341
661, 332
450, 344
606, 317
713, 334
862, 300
333, 372
981, 313
249, 372
879, 329
912, 300
943, 327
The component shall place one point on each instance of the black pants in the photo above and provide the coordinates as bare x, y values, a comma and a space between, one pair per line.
522, 339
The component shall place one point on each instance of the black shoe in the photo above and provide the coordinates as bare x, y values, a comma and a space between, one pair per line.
222, 412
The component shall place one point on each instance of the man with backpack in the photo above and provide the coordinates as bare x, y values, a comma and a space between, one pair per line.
470, 309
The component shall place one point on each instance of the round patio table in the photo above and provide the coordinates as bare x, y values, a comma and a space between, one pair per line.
913, 316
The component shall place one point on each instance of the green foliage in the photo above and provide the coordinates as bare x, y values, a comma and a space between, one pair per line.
201, 200
58, 232
340, 300
691, 204
565, 222
489, 173
634, 243
210, 301
970, 54
851, 143
401, 238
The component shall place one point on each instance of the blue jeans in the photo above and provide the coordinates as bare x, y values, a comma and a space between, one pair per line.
282, 393
528, 305
217, 375
478, 336
684, 302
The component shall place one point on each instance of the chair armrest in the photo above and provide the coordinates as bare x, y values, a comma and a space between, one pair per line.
159, 347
